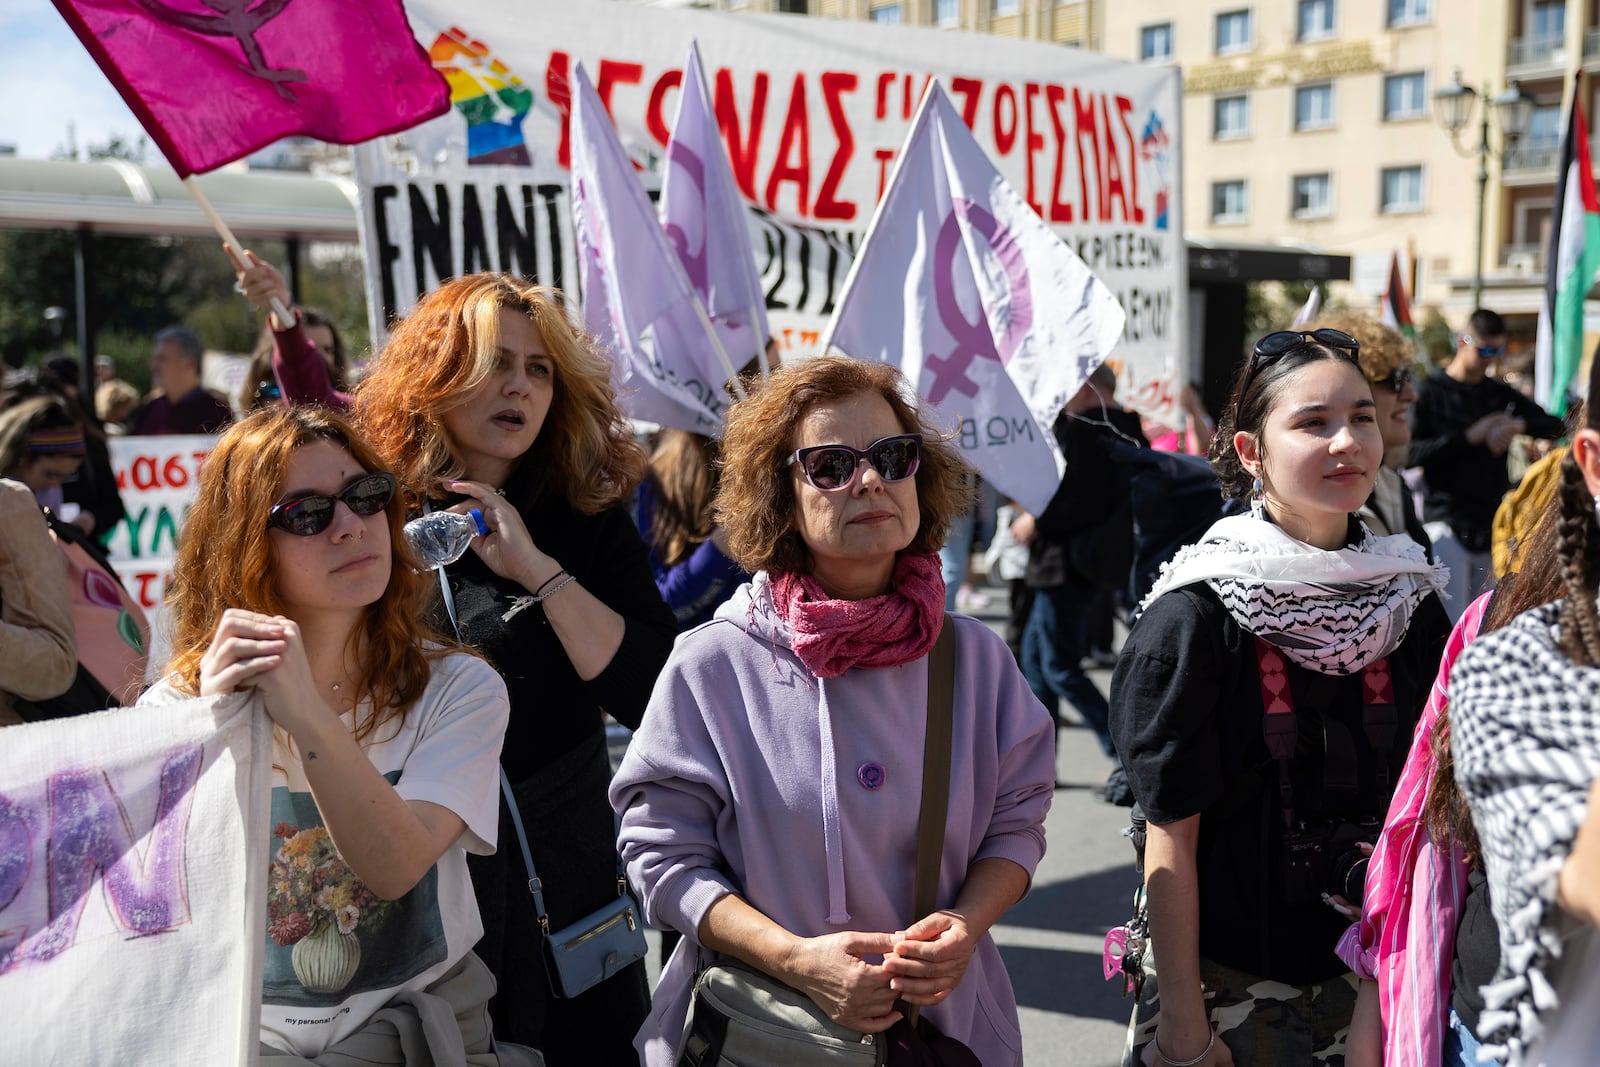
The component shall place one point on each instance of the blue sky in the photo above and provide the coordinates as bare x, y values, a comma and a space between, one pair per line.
47, 80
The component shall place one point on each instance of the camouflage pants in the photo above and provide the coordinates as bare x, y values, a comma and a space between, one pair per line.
1262, 1022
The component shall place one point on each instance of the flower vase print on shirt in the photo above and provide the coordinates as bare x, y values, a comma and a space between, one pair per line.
315, 902
329, 937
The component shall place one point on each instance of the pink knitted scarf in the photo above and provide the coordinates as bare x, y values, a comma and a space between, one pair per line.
831, 636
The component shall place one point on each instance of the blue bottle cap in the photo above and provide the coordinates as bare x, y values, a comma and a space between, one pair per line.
477, 517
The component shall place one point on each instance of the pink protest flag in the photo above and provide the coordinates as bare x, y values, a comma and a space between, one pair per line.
964, 288
637, 301
214, 80
706, 220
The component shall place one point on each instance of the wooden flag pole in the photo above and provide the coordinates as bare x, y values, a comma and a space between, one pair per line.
231, 243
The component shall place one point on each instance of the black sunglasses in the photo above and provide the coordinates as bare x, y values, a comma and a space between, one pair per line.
833, 467
305, 516
1274, 346
1397, 380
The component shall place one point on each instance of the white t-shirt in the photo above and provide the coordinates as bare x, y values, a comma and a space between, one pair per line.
355, 950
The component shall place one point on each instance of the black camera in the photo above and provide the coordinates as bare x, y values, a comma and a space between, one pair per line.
1325, 857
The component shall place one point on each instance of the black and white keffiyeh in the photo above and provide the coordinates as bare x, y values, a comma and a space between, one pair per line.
1525, 735
1332, 612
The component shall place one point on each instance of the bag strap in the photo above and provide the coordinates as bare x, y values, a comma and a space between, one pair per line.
935, 774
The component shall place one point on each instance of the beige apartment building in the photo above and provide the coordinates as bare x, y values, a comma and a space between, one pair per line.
1314, 123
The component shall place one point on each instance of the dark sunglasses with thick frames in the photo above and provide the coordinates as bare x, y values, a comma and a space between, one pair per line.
1274, 346
306, 516
833, 467
1397, 380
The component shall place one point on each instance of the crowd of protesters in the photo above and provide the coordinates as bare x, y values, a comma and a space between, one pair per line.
1362, 833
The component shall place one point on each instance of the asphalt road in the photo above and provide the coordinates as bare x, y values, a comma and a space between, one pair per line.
1052, 940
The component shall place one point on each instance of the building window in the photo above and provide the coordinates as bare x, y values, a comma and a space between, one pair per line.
1229, 202
1312, 196
889, 15
1233, 32
947, 12
1313, 107
1401, 190
1549, 22
793, 7
1002, 7
1314, 21
1230, 118
1409, 12
1155, 42
1405, 96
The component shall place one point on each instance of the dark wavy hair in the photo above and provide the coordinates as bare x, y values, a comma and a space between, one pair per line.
755, 502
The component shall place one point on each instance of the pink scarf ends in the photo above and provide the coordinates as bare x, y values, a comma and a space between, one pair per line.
832, 636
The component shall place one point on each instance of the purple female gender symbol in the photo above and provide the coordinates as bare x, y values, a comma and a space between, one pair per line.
974, 339
691, 167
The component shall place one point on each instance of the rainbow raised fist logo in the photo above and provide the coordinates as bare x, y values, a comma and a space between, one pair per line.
1155, 148
492, 98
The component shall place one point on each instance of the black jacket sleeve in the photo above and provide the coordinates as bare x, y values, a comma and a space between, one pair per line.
621, 579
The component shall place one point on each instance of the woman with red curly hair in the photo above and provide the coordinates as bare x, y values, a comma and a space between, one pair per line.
487, 396
292, 580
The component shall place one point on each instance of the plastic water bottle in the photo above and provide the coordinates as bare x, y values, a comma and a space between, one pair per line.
439, 538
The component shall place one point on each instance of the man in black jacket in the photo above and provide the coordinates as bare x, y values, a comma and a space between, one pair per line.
1083, 540
1463, 422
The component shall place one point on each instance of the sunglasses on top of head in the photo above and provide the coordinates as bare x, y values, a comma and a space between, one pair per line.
1274, 346
833, 467
306, 516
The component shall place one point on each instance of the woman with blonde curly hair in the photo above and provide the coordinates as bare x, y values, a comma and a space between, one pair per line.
487, 396
770, 800
292, 580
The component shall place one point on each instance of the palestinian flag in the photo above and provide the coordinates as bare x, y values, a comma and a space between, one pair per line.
1570, 265
1396, 305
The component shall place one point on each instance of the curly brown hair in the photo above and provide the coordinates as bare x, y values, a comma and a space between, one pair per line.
446, 348
226, 560
755, 502
1383, 348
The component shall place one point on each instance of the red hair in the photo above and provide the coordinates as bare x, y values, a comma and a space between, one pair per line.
226, 560
446, 348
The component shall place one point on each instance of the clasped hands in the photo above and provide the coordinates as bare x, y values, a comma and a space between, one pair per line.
920, 965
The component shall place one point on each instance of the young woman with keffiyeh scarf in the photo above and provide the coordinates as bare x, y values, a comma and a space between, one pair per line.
1525, 738
1300, 605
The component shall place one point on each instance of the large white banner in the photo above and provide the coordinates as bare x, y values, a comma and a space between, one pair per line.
812, 112
133, 859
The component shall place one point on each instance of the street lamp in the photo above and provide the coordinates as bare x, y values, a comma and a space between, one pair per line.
1514, 110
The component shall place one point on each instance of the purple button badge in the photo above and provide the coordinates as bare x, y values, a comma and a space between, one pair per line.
871, 775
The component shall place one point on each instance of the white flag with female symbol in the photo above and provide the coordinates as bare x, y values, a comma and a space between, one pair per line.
961, 285
708, 224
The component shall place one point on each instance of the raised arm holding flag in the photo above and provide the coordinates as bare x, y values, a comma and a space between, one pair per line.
961, 285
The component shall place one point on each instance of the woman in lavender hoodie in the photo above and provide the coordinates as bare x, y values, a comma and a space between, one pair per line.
770, 798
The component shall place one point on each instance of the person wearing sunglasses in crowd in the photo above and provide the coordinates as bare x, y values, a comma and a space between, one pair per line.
488, 396
1462, 424
770, 799
1386, 361
1261, 708
292, 580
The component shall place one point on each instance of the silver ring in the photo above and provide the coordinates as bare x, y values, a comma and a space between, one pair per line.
238, 287
500, 492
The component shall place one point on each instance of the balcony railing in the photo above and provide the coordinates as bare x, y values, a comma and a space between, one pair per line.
1539, 155
1522, 258
1531, 51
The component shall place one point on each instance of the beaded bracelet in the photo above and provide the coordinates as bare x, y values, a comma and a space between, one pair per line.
541, 597
1170, 1062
